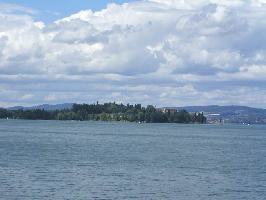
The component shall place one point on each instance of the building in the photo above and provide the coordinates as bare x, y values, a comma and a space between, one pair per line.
168, 110
214, 118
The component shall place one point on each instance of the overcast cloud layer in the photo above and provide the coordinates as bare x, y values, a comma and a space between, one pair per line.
162, 52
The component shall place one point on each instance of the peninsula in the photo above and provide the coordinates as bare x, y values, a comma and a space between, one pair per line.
107, 112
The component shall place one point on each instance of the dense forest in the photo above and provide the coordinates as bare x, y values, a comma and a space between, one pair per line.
107, 112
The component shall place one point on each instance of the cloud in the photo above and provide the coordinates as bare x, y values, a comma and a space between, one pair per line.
11, 8
164, 52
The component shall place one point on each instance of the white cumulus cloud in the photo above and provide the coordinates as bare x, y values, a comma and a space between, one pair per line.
164, 52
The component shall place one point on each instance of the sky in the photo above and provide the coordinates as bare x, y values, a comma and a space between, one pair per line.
50, 10
160, 52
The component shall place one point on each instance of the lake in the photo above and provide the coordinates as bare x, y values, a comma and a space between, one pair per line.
100, 160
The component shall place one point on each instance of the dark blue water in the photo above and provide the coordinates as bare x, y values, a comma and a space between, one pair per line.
89, 160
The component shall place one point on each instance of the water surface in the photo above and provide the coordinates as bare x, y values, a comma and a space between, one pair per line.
96, 160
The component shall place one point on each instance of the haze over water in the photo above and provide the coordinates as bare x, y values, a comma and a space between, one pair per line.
96, 160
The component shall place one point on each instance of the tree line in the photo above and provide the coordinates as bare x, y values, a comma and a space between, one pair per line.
107, 112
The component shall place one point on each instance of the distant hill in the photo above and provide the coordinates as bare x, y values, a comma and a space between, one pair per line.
231, 114
46, 107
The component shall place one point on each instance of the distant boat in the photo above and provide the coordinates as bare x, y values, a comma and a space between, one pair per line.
246, 124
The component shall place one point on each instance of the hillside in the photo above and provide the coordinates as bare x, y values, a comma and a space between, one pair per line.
231, 114
46, 107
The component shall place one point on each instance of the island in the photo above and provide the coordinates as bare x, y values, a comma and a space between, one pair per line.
108, 112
